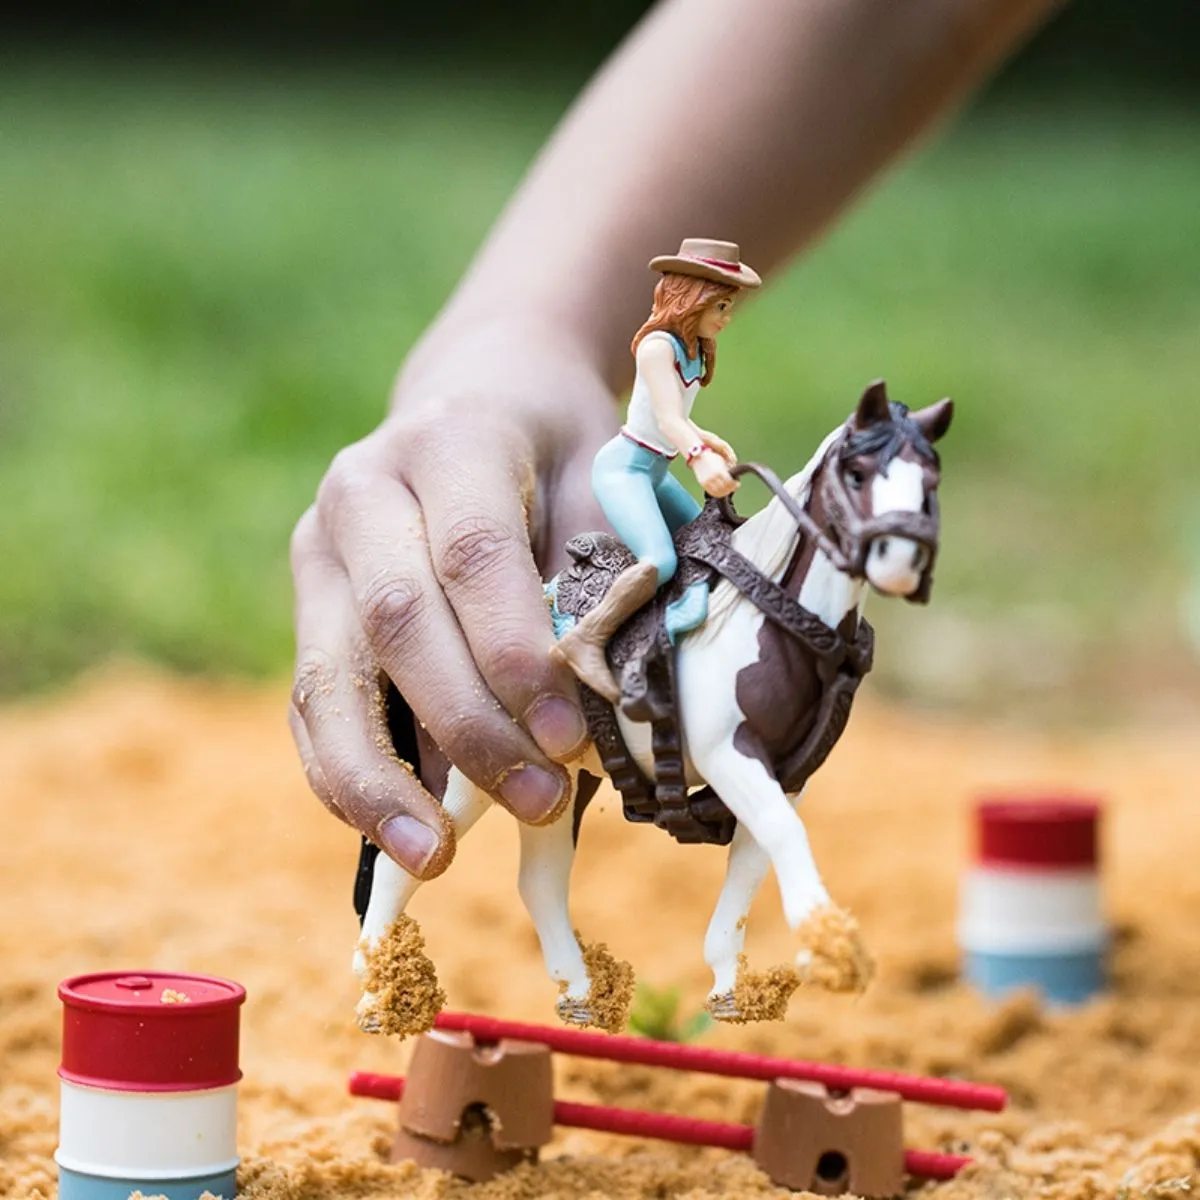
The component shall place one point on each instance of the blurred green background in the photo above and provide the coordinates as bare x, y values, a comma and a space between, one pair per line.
211, 269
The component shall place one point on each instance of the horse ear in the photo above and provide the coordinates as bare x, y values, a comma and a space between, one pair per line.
934, 420
873, 407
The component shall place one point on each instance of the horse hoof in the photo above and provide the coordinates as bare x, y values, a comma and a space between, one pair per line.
723, 1006
366, 1014
573, 1012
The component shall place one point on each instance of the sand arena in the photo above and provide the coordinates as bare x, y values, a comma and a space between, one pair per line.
151, 823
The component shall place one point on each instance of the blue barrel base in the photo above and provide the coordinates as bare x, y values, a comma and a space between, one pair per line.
1061, 978
73, 1185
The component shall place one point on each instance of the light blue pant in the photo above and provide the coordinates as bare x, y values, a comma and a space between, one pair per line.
642, 500
646, 504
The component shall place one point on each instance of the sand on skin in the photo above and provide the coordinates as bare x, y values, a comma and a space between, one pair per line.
155, 824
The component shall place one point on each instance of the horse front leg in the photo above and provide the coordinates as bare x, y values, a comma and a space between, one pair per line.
726, 936
594, 989
831, 953
392, 887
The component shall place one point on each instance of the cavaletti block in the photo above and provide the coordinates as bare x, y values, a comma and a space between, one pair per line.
1031, 912
148, 1086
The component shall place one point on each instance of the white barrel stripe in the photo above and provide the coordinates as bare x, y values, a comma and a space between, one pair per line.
1034, 912
147, 1135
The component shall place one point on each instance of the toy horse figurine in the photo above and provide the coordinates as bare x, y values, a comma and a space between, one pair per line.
762, 690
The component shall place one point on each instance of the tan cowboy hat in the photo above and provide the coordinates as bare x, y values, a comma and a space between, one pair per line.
707, 259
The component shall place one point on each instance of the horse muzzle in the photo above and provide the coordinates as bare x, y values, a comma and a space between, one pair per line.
895, 565
895, 553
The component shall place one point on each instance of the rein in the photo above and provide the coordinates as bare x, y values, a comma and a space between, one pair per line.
804, 522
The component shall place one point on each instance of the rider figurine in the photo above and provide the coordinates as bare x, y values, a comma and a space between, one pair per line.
676, 353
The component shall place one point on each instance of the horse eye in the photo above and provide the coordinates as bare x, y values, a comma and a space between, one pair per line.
854, 477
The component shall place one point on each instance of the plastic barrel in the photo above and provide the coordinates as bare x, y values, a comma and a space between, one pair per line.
1030, 913
148, 1086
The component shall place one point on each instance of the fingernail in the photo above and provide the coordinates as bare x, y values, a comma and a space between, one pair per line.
410, 843
557, 726
532, 792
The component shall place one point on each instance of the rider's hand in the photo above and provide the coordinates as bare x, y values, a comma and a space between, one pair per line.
722, 447
712, 473
421, 561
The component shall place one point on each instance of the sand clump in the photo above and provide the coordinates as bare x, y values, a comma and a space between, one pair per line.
840, 961
610, 995
203, 851
403, 981
762, 995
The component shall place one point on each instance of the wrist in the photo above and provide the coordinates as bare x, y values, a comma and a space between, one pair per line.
695, 451
459, 351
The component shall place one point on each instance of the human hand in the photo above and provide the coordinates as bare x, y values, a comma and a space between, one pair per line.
712, 473
419, 562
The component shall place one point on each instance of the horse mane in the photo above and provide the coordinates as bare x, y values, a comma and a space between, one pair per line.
767, 539
887, 438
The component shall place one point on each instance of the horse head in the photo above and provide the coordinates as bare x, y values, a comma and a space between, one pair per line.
879, 489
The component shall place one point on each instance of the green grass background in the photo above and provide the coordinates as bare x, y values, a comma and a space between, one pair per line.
208, 279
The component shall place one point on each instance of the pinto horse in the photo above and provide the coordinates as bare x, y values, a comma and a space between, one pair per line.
862, 514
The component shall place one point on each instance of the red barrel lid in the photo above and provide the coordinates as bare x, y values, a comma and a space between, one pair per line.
1039, 831
150, 1031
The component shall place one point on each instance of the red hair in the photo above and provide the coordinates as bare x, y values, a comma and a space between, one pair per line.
679, 302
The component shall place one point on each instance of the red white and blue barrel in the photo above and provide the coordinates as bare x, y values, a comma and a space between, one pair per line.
148, 1086
1030, 912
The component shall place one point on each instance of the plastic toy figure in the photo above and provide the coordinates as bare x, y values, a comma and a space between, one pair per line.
676, 355
746, 706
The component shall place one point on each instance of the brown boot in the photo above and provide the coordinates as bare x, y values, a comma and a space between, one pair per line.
583, 648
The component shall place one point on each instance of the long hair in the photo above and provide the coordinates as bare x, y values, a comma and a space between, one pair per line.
679, 301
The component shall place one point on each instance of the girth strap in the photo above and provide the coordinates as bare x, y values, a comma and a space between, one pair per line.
841, 664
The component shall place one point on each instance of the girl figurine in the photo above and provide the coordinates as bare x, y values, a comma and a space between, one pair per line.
676, 353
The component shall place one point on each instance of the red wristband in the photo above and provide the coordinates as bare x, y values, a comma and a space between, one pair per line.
695, 452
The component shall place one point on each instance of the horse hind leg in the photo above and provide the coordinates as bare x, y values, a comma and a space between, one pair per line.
392, 887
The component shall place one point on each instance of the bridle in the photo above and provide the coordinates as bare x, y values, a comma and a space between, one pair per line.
847, 537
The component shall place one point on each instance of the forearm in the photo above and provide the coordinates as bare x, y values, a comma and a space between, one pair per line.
754, 121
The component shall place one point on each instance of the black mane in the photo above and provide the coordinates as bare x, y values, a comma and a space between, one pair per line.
888, 438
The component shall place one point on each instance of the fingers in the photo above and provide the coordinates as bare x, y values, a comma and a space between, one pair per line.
576, 510
479, 547
716, 480
340, 724
720, 445
413, 634
312, 768
726, 451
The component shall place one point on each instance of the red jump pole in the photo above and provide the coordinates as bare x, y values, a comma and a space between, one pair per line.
662, 1126
952, 1093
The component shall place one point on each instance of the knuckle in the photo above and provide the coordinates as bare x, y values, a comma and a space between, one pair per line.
314, 679
348, 789
304, 539
319, 786
429, 440
469, 741
514, 664
392, 613
472, 546
347, 475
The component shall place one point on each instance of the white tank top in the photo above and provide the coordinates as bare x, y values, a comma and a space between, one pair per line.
640, 423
